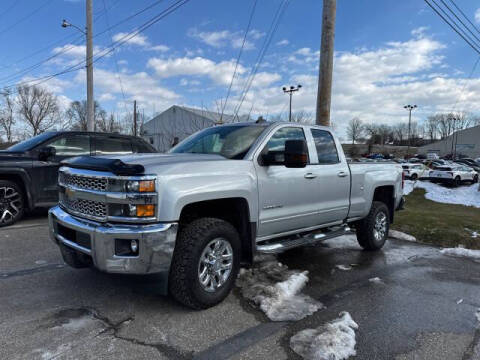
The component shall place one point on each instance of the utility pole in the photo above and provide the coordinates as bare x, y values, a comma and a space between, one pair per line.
409, 108
324, 94
90, 101
290, 92
135, 117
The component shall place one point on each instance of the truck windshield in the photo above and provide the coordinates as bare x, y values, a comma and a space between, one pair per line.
32, 142
232, 142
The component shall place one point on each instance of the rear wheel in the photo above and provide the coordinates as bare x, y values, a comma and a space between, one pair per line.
414, 177
372, 232
205, 263
475, 179
11, 202
458, 181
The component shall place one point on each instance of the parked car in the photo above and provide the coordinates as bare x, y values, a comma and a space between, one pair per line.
415, 171
216, 199
453, 174
29, 169
432, 156
470, 163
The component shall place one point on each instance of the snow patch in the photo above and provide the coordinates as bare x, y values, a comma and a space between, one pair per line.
462, 252
343, 267
463, 195
332, 341
459, 301
477, 314
376, 280
277, 291
401, 236
343, 242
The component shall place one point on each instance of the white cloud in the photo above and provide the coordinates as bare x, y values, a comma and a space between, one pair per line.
106, 97
139, 86
283, 42
477, 15
138, 40
223, 38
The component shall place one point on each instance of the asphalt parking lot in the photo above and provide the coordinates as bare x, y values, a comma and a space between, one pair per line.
423, 308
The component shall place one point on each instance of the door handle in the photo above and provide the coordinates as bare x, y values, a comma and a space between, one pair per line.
342, 174
310, 176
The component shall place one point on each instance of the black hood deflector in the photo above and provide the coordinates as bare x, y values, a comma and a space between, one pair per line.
116, 166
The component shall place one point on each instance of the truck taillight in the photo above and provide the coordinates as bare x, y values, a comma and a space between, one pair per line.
403, 179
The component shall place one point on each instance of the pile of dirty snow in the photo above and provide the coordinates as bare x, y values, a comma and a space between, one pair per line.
462, 252
463, 195
277, 291
332, 341
401, 236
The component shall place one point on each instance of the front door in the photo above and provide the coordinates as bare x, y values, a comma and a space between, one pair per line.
286, 195
46, 172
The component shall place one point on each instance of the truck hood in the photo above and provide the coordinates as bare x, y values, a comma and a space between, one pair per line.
148, 160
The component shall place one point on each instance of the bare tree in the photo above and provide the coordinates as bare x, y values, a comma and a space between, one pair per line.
38, 107
107, 123
355, 129
77, 115
431, 127
7, 113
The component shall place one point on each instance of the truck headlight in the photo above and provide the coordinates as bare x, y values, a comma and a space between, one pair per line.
140, 186
141, 210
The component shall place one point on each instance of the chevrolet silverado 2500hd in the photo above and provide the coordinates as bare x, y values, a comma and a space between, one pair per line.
220, 196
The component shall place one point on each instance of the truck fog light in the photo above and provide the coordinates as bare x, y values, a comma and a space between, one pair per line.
134, 246
132, 210
133, 186
145, 210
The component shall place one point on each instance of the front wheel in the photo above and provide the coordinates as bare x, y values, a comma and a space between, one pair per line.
475, 179
11, 202
372, 232
457, 182
205, 263
414, 177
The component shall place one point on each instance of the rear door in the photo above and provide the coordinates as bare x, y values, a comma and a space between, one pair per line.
332, 180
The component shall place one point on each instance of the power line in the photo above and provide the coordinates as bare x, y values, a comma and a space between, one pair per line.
465, 16
270, 34
114, 45
465, 26
238, 58
10, 27
7, 10
453, 28
78, 40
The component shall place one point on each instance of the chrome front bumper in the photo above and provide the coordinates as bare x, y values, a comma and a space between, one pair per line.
156, 243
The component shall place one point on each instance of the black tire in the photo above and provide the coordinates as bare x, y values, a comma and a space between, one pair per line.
75, 259
457, 182
365, 228
475, 179
414, 177
11, 206
193, 238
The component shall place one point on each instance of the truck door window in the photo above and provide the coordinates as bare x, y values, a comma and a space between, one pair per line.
276, 144
71, 145
112, 145
326, 148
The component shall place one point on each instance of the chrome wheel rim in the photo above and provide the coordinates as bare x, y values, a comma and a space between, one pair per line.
380, 227
10, 204
215, 265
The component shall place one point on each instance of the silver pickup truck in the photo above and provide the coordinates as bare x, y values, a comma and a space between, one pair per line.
219, 197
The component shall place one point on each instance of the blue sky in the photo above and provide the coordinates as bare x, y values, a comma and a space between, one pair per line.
388, 53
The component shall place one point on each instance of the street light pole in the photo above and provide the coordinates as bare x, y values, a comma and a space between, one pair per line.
89, 64
409, 108
290, 92
90, 101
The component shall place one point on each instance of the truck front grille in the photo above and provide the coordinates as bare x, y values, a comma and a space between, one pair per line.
89, 208
84, 182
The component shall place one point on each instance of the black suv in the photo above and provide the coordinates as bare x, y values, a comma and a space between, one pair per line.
29, 169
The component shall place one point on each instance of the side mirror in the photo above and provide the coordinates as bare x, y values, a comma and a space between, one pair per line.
46, 153
296, 153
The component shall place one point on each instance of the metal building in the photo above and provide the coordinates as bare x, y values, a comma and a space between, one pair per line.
180, 122
463, 142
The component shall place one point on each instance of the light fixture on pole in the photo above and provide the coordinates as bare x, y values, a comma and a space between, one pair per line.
290, 92
89, 63
409, 108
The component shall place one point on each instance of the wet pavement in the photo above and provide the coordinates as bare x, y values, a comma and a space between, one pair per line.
423, 307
